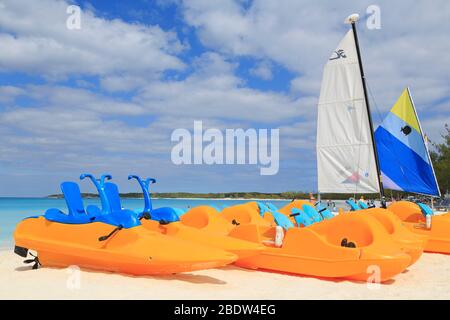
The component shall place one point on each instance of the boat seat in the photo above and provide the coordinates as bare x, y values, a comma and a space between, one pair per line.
282, 221
165, 214
362, 205
262, 208
426, 210
271, 207
353, 205
311, 213
301, 218
324, 211
76, 213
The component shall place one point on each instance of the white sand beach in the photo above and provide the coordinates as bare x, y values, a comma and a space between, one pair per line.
427, 279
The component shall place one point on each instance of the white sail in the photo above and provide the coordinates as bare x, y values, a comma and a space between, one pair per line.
345, 155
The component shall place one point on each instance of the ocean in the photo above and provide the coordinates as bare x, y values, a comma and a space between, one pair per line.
13, 210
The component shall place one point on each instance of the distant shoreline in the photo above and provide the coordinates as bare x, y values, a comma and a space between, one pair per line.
170, 198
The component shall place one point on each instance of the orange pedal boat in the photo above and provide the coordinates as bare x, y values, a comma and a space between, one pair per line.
439, 234
412, 243
135, 250
109, 241
317, 250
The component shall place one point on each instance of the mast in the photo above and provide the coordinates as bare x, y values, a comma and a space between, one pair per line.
352, 19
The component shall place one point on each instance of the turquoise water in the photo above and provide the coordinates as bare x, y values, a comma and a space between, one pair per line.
12, 210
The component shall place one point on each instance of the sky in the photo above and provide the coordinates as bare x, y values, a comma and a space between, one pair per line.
105, 98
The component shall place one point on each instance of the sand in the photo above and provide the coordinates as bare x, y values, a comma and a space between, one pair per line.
427, 279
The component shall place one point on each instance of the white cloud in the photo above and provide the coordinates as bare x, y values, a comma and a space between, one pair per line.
214, 92
301, 34
35, 39
65, 130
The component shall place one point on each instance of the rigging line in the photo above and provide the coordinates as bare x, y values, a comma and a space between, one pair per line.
377, 109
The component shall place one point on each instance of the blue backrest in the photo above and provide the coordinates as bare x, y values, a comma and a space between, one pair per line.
282, 221
271, 207
112, 193
301, 218
363, 205
353, 205
312, 213
262, 208
72, 195
426, 210
324, 211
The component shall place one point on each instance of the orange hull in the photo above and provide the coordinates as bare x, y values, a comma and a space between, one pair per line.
411, 243
134, 251
317, 251
205, 236
439, 234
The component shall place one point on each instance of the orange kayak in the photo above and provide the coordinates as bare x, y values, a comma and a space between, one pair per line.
204, 226
135, 250
317, 250
439, 234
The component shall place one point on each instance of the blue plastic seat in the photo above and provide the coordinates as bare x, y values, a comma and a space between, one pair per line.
324, 211
271, 207
426, 210
282, 221
301, 218
160, 214
76, 213
263, 208
353, 205
312, 213
362, 205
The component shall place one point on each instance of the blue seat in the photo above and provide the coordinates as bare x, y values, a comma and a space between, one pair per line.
426, 210
353, 205
163, 214
262, 208
282, 221
271, 207
301, 218
362, 205
76, 213
324, 211
312, 213
106, 214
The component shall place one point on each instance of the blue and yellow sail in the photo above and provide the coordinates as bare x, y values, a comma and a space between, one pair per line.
405, 162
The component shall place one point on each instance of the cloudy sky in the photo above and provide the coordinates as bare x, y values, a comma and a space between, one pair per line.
106, 97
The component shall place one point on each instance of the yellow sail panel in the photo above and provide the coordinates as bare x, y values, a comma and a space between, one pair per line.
404, 109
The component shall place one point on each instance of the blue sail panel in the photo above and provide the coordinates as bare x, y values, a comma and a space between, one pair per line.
402, 167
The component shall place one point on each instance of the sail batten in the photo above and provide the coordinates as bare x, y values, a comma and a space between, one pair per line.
345, 153
404, 158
